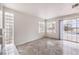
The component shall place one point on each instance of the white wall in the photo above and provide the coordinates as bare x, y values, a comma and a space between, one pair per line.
26, 28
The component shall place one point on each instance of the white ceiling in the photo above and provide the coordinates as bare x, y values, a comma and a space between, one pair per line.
44, 10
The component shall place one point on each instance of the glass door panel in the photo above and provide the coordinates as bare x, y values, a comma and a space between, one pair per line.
78, 30
65, 30
68, 29
73, 29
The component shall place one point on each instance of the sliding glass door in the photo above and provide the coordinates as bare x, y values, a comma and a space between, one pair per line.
69, 30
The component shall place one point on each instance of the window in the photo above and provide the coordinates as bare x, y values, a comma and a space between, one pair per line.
51, 27
41, 27
9, 27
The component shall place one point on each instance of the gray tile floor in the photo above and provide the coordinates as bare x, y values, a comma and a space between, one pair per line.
47, 46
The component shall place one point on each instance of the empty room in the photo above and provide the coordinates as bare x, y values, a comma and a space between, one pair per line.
39, 28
